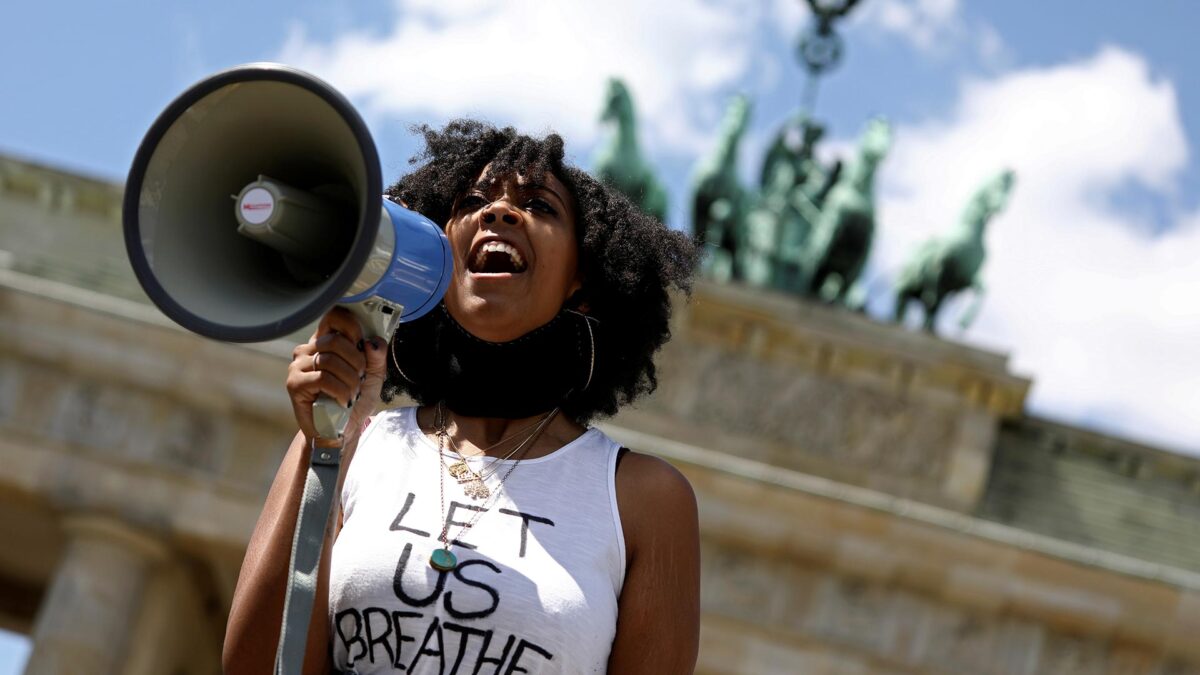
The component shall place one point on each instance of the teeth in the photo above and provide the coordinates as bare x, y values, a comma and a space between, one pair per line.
500, 247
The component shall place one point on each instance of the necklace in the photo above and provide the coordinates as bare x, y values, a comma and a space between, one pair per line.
443, 559
471, 480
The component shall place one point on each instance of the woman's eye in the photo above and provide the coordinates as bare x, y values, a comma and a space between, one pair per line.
471, 202
539, 204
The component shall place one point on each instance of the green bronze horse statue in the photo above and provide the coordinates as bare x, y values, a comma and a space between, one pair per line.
620, 162
843, 228
719, 201
791, 166
947, 265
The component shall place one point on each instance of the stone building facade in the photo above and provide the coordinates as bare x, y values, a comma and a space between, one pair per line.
872, 500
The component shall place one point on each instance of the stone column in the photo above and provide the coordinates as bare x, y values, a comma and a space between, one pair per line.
88, 615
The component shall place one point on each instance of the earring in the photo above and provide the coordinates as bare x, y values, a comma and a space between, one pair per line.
396, 362
587, 321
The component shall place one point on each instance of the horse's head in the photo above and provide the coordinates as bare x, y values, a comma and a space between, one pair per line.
737, 115
876, 140
997, 190
618, 105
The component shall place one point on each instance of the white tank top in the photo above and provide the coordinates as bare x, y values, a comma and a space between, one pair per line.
538, 576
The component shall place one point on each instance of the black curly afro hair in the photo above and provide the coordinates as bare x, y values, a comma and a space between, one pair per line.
628, 260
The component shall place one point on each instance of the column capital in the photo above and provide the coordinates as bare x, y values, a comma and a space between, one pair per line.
85, 526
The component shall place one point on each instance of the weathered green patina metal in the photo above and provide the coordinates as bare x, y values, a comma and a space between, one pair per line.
952, 263
620, 162
809, 229
719, 202
844, 226
791, 173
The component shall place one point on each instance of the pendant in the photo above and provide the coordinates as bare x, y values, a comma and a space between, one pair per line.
475, 488
460, 469
442, 560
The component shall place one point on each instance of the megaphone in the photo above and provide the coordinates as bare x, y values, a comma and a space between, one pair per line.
254, 204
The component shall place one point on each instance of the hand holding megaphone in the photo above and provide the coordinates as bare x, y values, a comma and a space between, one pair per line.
338, 362
254, 205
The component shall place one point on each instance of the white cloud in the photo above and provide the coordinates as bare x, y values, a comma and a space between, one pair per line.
991, 48
544, 65
1102, 315
926, 24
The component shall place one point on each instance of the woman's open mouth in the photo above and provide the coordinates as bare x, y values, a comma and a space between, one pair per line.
496, 257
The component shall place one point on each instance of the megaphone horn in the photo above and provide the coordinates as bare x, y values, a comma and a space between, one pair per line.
254, 205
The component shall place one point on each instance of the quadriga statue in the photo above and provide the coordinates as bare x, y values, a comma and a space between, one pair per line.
951, 263
844, 226
790, 167
719, 201
620, 163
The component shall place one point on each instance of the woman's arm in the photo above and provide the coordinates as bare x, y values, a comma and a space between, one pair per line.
658, 628
252, 634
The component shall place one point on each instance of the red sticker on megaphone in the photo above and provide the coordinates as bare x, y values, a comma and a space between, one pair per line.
256, 205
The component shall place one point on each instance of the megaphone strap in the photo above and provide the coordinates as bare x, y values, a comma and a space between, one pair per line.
307, 542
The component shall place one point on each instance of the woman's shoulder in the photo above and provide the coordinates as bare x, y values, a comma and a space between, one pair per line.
392, 420
654, 498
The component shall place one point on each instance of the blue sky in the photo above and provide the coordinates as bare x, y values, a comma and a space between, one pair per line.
1091, 285
1094, 275
83, 81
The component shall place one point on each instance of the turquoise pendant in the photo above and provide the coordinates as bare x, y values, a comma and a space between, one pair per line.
442, 560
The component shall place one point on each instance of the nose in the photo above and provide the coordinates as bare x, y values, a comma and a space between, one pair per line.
501, 210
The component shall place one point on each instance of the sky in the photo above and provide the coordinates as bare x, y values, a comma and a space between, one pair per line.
1093, 271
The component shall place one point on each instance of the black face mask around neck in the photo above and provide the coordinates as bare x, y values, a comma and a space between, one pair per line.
441, 361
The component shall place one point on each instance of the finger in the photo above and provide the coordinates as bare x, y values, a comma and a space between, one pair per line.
335, 366
376, 373
306, 387
337, 345
376, 354
340, 320
369, 394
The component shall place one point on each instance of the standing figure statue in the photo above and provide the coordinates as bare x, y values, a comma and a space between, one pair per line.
719, 201
946, 265
844, 227
620, 162
789, 167
789, 161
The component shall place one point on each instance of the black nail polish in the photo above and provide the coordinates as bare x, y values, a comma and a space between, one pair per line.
360, 345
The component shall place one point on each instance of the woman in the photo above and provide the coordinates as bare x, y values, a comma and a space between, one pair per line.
489, 530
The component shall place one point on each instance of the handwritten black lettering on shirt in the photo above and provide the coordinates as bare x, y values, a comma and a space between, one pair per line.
376, 636
452, 525
443, 623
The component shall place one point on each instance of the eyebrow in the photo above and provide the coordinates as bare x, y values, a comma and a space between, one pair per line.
485, 184
546, 188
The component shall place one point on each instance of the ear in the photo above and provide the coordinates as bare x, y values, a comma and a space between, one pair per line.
578, 299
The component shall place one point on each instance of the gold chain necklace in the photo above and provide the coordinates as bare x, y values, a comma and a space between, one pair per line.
471, 480
443, 559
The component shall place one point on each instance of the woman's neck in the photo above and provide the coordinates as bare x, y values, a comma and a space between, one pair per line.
498, 436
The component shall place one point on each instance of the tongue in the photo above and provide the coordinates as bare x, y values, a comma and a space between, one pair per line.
497, 263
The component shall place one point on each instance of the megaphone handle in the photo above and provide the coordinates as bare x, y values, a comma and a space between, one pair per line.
375, 317
329, 417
